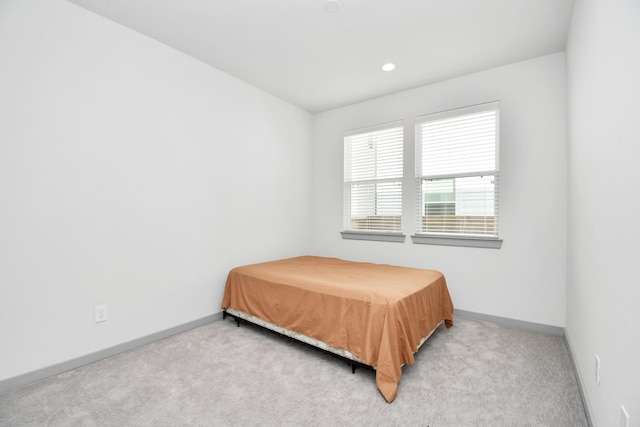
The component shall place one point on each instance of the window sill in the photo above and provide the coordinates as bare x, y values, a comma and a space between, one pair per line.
380, 237
470, 242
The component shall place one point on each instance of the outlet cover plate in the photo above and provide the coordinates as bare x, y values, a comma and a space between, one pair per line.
101, 313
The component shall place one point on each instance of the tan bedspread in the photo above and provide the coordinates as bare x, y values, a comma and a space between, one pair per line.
377, 312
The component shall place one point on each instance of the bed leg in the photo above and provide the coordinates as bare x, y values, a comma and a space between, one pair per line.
238, 322
224, 314
353, 368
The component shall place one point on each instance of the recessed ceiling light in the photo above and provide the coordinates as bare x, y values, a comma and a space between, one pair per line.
389, 66
332, 6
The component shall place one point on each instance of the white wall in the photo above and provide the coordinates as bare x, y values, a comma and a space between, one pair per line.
130, 176
603, 294
524, 280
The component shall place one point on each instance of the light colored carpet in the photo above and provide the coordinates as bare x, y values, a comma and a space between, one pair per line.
474, 374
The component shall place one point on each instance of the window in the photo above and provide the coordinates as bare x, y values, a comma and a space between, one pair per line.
457, 175
373, 173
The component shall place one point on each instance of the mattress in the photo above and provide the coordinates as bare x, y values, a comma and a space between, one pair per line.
377, 313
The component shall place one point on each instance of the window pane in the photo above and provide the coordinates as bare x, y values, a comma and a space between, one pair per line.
376, 206
458, 206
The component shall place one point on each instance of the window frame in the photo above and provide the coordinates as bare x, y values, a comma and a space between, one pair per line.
448, 238
349, 232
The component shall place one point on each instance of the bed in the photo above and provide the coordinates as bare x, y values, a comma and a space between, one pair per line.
374, 314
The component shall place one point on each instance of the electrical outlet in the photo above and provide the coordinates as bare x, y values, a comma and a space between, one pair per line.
597, 370
101, 313
624, 417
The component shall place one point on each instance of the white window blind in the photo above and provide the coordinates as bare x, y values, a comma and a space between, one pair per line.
457, 172
373, 178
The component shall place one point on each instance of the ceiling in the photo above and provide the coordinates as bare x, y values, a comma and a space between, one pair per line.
299, 52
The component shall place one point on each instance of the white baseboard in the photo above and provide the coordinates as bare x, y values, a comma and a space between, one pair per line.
580, 381
512, 323
40, 374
